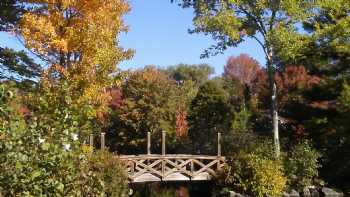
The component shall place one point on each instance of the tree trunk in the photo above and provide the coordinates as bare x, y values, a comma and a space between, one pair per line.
273, 93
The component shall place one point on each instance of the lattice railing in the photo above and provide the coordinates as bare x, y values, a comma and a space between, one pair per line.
148, 168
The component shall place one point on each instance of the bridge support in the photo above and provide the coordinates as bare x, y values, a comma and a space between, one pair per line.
103, 145
91, 140
163, 142
148, 143
219, 144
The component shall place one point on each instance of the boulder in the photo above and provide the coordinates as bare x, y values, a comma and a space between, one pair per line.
306, 192
234, 194
294, 193
328, 192
314, 192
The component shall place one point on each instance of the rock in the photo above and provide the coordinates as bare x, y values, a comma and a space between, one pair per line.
328, 192
306, 192
294, 193
314, 192
234, 194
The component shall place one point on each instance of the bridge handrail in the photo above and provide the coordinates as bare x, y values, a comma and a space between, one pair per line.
170, 156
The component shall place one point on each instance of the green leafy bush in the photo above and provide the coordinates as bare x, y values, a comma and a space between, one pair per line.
43, 156
108, 170
256, 173
301, 165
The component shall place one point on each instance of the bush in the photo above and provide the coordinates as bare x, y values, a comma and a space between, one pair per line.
107, 170
256, 173
43, 157
301, 165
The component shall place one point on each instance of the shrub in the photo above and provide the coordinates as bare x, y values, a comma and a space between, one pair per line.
42, 157
107, 170
256, 173
267, 178
301, 165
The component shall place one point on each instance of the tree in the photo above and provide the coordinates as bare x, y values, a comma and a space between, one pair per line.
10, 14
241, 73
41, 154
15, 65
78, 41
196, 73
329, 59
148, 105
272, 24
209, 114
242, 68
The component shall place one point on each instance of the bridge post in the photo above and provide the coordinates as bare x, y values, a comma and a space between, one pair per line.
163, 153
103, 145
219, 150
163, 142
219, 144
91, 140
148, 143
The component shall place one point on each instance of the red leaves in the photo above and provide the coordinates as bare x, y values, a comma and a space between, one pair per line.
116, 98
242, 68
295, 77
290, 83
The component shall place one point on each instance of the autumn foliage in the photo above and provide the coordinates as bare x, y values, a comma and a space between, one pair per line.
78, 40
181, 124
242, 68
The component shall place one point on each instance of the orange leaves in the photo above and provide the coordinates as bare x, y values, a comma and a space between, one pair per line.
181, 124
78, 39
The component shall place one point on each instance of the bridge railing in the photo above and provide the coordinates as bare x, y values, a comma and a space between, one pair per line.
150, 168
169, 167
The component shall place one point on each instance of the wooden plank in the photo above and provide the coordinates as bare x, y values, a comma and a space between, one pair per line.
178, 168
146, 177
176, 176
203, 176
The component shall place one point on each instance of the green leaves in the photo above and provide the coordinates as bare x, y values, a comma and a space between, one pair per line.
301, 165
18, 66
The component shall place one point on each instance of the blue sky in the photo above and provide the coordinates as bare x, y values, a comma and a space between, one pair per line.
158, 33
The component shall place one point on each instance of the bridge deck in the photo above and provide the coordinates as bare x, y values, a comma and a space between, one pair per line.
153, 168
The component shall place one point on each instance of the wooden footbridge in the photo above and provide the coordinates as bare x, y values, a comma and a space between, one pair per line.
169, 167
153, 168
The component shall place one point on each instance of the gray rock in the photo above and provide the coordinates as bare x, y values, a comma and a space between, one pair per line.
314, 192
294, 193
306, 192
235, 194
328, 192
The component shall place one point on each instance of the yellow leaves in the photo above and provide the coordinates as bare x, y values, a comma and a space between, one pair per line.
79, 39
40, 35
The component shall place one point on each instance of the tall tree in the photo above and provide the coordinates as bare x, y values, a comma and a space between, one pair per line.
148, 105
328, 57
78, 40
209, 114
230, 22
242, 68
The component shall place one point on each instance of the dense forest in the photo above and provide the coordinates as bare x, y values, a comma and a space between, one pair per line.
285, 125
